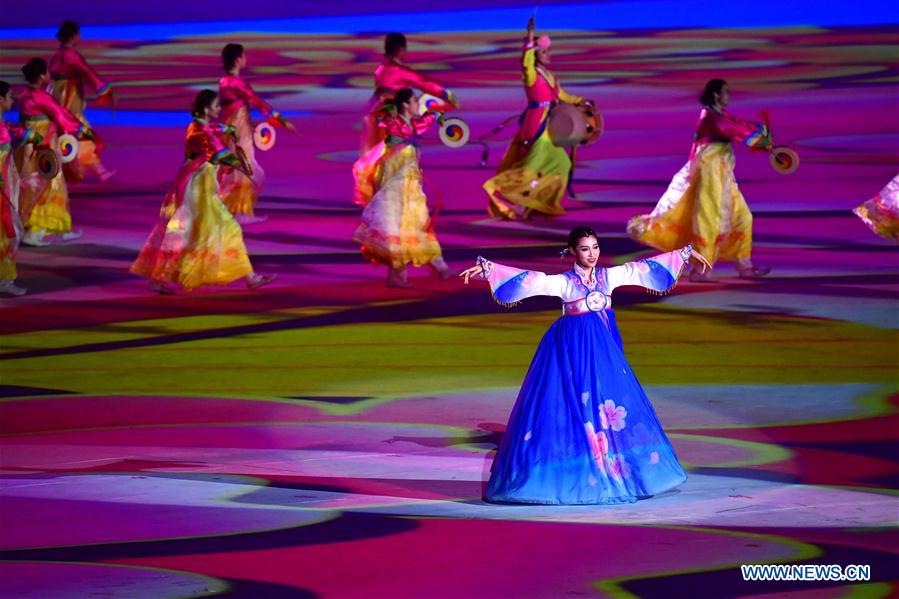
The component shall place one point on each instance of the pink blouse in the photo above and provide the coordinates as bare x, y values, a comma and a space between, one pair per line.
715, 126
68, 63
401, 130
392, 76
36, 103
234, 90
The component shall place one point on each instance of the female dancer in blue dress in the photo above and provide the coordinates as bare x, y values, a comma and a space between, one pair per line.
582, 430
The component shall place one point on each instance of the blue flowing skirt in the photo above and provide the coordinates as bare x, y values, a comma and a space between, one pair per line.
582, 430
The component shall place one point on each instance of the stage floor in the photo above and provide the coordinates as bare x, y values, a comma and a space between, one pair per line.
325, 436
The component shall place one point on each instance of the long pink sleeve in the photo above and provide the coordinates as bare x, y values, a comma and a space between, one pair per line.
394, 76
424, 122
400, 129
68, 63
36, 102
233, 88
723, 126
64, 119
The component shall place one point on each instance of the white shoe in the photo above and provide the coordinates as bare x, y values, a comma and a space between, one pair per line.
11, 288
35, 238
72, 235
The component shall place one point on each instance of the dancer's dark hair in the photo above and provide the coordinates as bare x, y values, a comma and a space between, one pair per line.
203, 101
393, 43
4, 89
402, 97
230, 54
33, 69
67, 30
712, 88
579, 233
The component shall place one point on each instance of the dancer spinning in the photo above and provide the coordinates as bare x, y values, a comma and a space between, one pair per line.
10, 224
196, 240
391, 76
240, 192
45, 208
70, 74
582, 430
533, 175
703, 204
396, 229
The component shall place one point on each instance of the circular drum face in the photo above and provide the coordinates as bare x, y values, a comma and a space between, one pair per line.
427, 102
784, 160
68, 147
454, 133
47, 163
264, 136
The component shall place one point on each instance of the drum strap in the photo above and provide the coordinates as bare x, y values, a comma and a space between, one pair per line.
543, 124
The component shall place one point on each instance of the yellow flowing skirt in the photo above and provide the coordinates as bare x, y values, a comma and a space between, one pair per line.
196, 240
7, 258
45, 206
881, 213
536, 182
395, 228
88, 159
239, 192
703, 206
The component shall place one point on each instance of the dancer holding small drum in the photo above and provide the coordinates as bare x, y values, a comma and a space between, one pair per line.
396, 228
45, 208
703, 205
238, 191
392, 75
196, 241
534, 173
71, 74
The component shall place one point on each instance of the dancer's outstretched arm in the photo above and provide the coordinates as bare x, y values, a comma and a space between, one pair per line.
659, 273
510, 285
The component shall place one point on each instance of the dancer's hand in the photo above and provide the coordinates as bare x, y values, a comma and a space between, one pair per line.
700, 259
530, 35
471, 272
